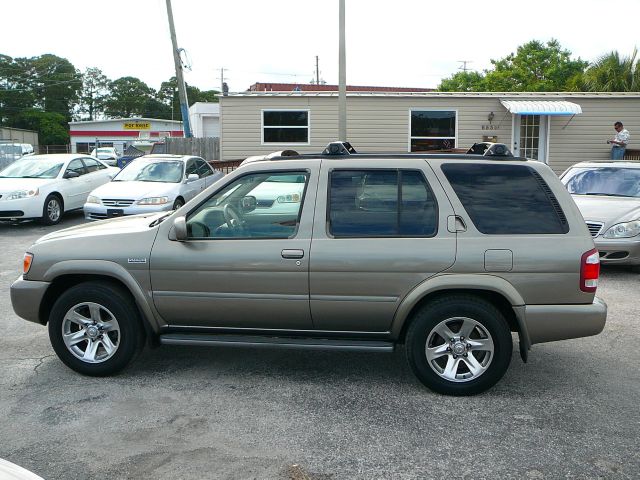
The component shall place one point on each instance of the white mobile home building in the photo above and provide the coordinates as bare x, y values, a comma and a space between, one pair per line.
557, 128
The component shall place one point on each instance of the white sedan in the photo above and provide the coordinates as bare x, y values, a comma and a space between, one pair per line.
46, 186
151, 183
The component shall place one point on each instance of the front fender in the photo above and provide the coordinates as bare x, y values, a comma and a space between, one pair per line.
105, 268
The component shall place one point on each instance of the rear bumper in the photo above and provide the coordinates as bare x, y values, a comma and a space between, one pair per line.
548, 323
26, 297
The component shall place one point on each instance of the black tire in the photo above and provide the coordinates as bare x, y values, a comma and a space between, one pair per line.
490, 326
52, 210
178, 203
114, 301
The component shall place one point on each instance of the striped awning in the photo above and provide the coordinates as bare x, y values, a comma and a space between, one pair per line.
541, 107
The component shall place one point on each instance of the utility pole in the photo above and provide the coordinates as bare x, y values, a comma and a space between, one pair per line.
342, 78
222, 79
317, 72
182, 88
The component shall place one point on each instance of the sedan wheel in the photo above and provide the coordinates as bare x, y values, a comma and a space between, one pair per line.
52, 211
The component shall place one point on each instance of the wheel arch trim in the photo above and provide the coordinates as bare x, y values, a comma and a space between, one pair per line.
456, 283
106, 269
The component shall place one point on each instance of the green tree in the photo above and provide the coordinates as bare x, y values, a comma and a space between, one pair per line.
52, 127
56, 83
463, 82
95, 91
16, 93
128, 97
535, 67
613, 73
168, 94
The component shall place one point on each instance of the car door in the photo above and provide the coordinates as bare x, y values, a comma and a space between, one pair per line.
243, 266
75, 190
97, 173
378, 234
207, 172
192, 188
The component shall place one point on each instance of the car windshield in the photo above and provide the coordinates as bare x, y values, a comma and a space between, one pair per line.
33, 167
151, 171
609, 181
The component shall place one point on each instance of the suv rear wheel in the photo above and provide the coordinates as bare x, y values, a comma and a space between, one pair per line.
459, 345
95, 329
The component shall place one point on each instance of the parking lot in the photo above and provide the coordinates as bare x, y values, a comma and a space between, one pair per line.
192, 413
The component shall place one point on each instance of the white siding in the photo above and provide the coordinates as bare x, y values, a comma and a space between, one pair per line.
381, 123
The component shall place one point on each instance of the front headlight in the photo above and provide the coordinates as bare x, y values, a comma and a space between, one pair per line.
289, 198
22, 194
153, 201
93, 199
624, 230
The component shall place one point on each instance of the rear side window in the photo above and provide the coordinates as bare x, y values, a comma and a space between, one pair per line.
506, 199
381, 203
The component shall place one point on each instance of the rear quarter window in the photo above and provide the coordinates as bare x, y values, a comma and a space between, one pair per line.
506, 199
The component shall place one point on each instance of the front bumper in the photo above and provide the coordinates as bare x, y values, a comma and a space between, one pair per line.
21, 208
26, 297
548, 323
621, 251
93, 211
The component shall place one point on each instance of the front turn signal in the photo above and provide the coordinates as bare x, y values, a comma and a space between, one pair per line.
26, 263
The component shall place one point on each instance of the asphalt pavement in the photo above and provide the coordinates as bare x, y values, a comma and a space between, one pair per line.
195, 412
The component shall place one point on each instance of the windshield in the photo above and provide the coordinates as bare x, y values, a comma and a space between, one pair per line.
610, 181
151, 171
33, 167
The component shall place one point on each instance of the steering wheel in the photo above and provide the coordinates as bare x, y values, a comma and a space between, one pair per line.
232, 218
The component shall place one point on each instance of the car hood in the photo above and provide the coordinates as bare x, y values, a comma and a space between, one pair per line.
114, 226
12, 184
136, 190
608, 209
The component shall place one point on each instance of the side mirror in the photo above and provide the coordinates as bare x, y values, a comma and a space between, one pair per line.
192, 177
248, 204
180, 229
70, 174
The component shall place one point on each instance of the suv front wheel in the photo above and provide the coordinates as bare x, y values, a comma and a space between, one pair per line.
459, 345
95, 329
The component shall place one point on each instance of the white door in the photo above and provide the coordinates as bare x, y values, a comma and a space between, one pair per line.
530, 136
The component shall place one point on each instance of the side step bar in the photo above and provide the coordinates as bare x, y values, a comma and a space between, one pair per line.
278, 342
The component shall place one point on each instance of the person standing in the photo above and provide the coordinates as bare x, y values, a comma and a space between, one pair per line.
619, 142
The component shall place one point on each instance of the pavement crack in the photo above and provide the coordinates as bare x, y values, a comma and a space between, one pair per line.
41, 361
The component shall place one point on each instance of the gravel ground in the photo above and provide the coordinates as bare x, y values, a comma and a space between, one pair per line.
193, 413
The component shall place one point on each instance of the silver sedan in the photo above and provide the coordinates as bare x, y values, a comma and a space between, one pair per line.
152, 183
608, 195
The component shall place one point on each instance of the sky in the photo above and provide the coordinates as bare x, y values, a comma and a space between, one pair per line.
403, 43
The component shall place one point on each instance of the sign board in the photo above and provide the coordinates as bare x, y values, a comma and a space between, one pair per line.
137, 126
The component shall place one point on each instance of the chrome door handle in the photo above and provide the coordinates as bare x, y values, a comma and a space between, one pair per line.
292, 253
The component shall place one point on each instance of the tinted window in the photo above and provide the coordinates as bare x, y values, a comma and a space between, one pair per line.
609, 181
432, 130
92, 165
204, 170
506, 199
76, 166
191, 168
381, 203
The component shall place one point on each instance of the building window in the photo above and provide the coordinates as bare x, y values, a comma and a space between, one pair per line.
432, 130
285, 126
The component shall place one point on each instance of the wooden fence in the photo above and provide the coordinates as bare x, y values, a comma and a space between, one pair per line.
207, 148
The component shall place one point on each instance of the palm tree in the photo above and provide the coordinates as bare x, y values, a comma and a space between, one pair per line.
612, 73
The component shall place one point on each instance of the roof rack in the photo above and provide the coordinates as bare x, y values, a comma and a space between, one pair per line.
340, 149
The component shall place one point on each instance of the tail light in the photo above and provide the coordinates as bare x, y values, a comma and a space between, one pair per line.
589, 271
